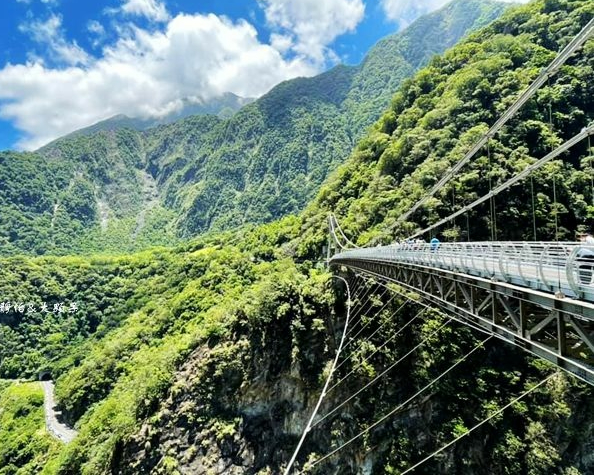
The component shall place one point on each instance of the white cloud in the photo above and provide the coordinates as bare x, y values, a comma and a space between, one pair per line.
50, 35
312, 25
97, 33
281, 43
95, 27
144, 74
151, 9
404, 12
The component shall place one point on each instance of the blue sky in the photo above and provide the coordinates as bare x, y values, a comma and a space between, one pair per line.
66, 64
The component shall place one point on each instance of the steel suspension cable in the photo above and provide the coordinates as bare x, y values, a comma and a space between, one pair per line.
517, 341
348, 241
357, 280
445, 310
460, 319
468, 226
364, 293
333, 233
370, 320
382, 374
326, 384
379, 328
334, 226
533, 203
360, 312
355, 287
556, 212
379, 311
406, 325
352, 280
561, 58
524, 97
587, 131
404, 404
591, 170
454, 204
492, 200
484, 421
373, 283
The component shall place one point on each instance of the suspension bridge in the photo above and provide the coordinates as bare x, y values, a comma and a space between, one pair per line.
537, 296
530, 294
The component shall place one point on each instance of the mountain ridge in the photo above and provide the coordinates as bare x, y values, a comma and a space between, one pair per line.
222, 106
209, 357
266, 161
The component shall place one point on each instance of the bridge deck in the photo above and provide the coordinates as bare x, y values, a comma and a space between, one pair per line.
538, 296
544, 266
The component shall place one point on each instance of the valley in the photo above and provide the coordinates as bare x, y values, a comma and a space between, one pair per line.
228, 269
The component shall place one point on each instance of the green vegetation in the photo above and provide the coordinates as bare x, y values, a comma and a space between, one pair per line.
139, 318
26, 446
212, 353
440, 113
85, 194
121, 190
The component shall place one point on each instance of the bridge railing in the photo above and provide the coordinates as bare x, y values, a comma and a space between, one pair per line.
548, 266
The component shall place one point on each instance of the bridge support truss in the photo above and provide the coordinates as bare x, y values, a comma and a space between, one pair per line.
553, 327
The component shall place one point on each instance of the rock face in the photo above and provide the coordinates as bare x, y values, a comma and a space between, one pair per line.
236, 408
239, 407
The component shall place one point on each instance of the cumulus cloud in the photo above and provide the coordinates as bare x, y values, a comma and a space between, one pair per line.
282, 43
404, 12
144, 74
151, 9
49, 34
309, 26
149, 73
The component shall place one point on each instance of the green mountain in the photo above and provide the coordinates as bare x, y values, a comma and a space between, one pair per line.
222, 106
439, 114
123, 189
209, 358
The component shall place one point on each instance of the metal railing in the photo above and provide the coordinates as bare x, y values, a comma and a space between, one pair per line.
565, 267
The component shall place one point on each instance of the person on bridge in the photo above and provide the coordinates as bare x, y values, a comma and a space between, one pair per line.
588, 238
585, 258
434, 244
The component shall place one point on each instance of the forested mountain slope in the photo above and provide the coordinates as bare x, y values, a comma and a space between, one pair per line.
208, 358
433, 120
438, 115
122, 189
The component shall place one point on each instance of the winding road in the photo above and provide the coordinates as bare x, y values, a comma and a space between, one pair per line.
60, 431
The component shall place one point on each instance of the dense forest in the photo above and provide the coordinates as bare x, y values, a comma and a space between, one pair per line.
440, 113
120, 190
207, 357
